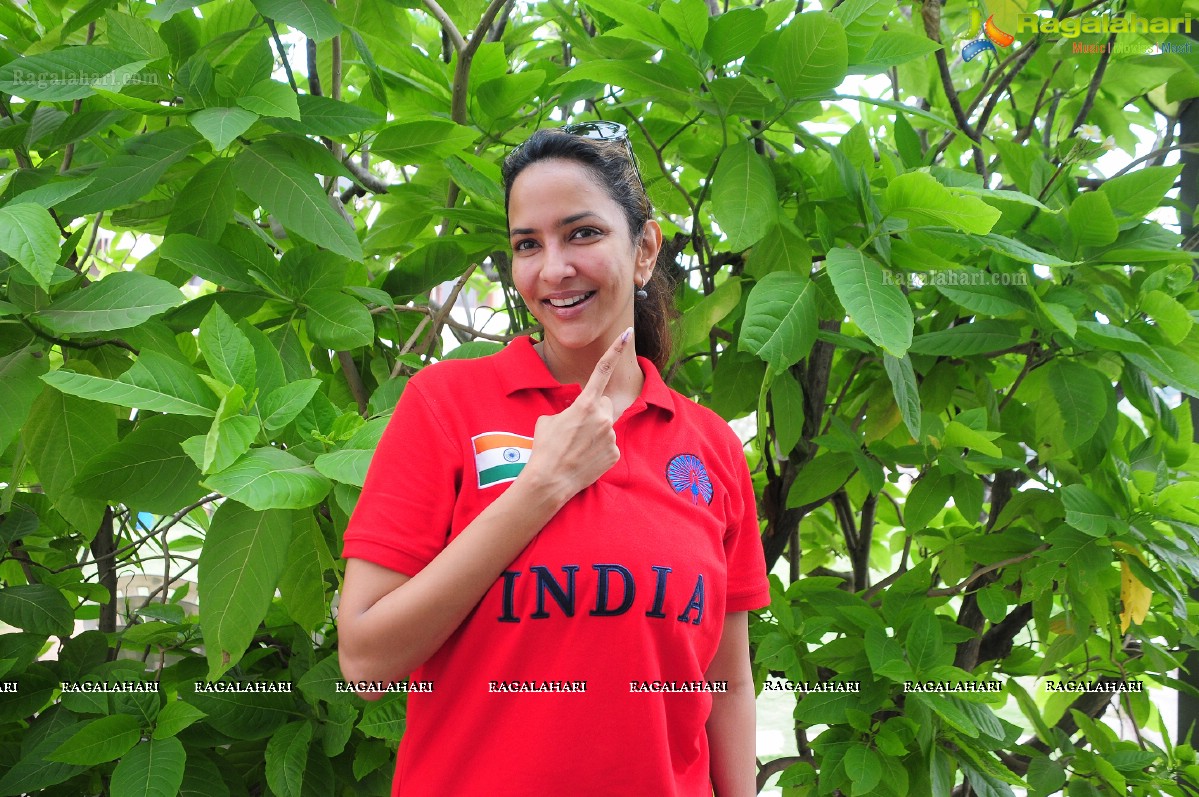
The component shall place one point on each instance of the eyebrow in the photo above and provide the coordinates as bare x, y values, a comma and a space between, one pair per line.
561, 223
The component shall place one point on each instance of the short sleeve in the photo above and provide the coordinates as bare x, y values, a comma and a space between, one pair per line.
402, 519
748, 587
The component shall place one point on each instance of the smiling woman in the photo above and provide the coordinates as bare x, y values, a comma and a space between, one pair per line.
562, 545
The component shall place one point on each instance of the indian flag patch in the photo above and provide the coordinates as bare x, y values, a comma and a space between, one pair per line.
500, 456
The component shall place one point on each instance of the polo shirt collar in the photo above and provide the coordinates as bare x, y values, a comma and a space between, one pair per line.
520, 367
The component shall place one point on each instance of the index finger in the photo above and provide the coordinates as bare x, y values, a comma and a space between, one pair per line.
606, 365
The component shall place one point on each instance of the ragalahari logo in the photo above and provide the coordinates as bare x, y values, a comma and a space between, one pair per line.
983, 35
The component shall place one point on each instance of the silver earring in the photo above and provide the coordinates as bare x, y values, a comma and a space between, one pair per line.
640, 293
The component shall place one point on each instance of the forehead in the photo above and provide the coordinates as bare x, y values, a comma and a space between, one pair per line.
556, 184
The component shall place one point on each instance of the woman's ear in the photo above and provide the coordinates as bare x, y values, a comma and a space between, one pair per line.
647, 251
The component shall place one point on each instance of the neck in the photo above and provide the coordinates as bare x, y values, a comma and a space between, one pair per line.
568, 366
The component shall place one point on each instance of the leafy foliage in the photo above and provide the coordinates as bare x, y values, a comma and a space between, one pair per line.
221, 227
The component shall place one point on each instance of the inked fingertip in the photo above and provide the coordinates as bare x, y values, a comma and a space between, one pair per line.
624, 336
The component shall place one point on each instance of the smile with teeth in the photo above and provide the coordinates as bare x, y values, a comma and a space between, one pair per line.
572, 301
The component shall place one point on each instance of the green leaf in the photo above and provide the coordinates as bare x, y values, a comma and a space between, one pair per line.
228, 439
689, 18
147, 469
863, 767
1077, 400
925, 644
270, 98
1170, 315
699, 321
227, 350
302, 583
503, 96
812, 55
221, 126
783, 248
894, 47
875, 304
787, 403
268, 478
205, 205
744, 201
152, 769
20, 385
1085, 510
907, 394
347, 466
155, 382
60, 436
207, 260
780, 319
928, 496
1140, 191
1045, 775
65, 74
282, 405
286, 758
338, 321
637, 20
1170, 368
100, 740
977, 337
134, 36
666, 80
119, 301
268, 175
313, 18
922, 201
734, 33
820, 478
981, 292
322, 116
174, 717
863, 21
29, 236
33, 772
1021, 251
132, 174
36, 609
1091, 220
1112, 338
422, 141
244, 553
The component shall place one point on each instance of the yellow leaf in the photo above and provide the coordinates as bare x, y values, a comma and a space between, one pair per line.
1135, 596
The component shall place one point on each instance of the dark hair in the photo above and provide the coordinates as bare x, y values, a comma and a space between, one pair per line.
615, 170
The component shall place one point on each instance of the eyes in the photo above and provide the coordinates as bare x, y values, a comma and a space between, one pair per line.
577, 234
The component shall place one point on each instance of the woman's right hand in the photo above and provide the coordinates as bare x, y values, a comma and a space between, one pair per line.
572, 449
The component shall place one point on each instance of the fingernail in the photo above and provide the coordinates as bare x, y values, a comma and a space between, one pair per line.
624, 338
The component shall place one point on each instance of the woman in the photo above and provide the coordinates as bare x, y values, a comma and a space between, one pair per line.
565, 547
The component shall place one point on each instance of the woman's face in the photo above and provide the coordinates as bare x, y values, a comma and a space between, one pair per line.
573, 260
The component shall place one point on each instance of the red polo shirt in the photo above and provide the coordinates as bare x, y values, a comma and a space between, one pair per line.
557, 681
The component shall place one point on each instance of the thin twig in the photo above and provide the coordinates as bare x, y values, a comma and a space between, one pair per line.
291, 78
982, 571
441, 315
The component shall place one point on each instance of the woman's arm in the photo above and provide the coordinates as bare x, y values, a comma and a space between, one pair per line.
389, 623
732, 728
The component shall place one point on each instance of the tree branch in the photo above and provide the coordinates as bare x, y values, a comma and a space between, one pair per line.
349, 369
291, 77
447, 25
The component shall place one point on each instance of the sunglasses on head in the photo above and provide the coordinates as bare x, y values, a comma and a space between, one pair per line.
605, 131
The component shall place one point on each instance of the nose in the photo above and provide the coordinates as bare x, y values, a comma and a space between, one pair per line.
556, 264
